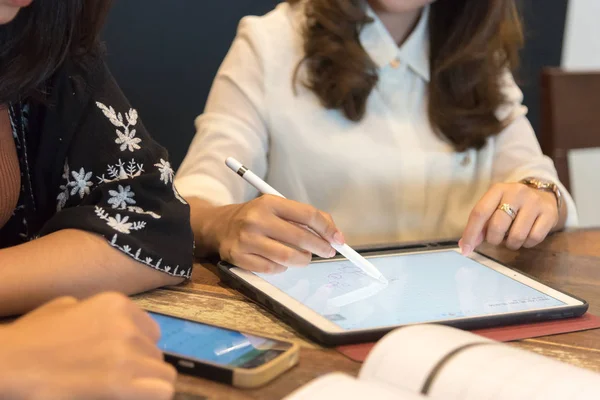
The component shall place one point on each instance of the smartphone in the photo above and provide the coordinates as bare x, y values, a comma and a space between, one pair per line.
223, 355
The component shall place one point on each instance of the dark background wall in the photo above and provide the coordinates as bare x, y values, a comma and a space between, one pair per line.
165, 55
544, 23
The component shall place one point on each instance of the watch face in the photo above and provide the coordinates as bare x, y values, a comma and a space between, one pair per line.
543, 185
540, 183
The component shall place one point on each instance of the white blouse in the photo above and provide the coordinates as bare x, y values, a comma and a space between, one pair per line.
387, 178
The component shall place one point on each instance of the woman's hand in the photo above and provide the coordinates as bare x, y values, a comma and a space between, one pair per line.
100, 348
267, 234
536, 214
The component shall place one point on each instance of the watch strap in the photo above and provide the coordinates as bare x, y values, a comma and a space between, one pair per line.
546, 186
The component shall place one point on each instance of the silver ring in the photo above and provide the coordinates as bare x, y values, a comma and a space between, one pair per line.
508, 210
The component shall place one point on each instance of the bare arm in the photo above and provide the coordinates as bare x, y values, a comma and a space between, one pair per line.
69, 262
100, 348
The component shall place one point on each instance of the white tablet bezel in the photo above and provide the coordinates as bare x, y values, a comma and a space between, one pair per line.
329, 327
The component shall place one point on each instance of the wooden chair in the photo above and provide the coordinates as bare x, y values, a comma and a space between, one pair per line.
570, 115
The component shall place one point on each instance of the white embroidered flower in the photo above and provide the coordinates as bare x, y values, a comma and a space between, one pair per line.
120, 224
166, 176
81, 183
127, 140
166, 171
125, 137
122, 197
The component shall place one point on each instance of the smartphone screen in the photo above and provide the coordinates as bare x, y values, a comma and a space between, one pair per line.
219, 346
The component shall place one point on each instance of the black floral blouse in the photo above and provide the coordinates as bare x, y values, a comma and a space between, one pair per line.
88, 163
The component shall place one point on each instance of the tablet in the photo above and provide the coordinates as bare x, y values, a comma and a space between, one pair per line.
334, 302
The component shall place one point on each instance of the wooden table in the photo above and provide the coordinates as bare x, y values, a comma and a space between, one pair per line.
569, 261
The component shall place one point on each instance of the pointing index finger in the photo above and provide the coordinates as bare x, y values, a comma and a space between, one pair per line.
481, 213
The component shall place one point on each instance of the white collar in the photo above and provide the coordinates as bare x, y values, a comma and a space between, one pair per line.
380, 46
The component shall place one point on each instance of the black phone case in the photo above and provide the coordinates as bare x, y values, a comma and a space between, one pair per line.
337, 339
199, 369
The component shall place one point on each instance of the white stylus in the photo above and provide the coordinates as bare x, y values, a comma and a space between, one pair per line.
344, 249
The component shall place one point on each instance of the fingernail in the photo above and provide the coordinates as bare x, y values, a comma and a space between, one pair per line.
332, 253
280, 270
338, 238
466, 250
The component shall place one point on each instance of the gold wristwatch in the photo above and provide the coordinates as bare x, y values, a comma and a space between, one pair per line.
545, 185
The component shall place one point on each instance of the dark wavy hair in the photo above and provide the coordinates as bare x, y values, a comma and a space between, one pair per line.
41, 37
472, 42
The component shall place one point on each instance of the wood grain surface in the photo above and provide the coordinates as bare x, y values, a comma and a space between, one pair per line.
569, 261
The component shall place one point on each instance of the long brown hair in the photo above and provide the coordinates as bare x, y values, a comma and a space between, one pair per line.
41, 37
472, 42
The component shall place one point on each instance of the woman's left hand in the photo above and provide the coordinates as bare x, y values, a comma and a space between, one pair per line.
535, 214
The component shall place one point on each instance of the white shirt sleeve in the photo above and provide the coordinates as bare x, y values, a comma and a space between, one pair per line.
233, 124
517, 151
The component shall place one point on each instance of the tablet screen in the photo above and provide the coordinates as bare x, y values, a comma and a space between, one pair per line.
423, 287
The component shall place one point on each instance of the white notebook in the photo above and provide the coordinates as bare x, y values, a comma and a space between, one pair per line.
439, 362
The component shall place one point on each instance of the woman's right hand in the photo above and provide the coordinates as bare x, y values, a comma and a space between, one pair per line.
269, 234
100, 348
